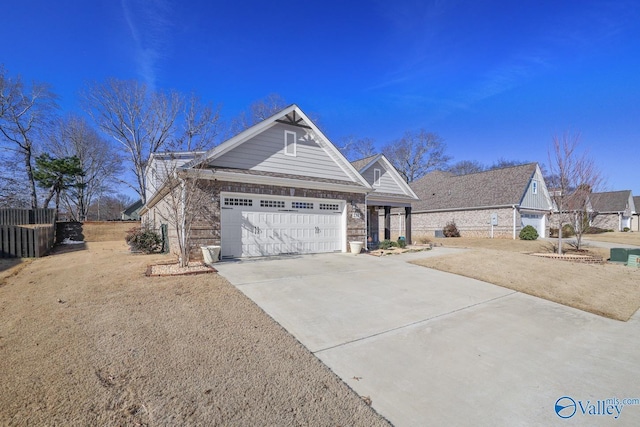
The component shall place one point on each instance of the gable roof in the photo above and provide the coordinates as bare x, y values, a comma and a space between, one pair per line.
498, 187
405, 191
611, 201
636, 203
294, 116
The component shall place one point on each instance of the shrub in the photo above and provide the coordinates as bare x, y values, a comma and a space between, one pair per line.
553, 232
402, 243
568, 231
528, 233
386, 244
451, 230
626, 229
144, 239
595, 230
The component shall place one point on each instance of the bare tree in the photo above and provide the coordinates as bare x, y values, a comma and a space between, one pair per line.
464, 167
415, 154
139, 119
25, 112
12, 182
186, 204
101, 163
355, 148
257, 112
575, 177
200, 125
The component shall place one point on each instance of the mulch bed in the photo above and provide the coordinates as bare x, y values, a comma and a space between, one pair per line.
173, 269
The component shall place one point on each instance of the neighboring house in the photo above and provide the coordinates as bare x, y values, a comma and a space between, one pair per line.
636, 203
612, 210
389, 191
278, 187
494, 203
132, 212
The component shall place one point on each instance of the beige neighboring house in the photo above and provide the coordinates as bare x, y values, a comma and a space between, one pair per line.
389, 191
278, 187
494, 203
612, 210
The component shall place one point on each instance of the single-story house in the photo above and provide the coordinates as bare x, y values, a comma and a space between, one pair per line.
278, 187
390, 190
612, 210
493, 203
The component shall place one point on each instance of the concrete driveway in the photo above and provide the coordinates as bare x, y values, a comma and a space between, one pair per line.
432, 348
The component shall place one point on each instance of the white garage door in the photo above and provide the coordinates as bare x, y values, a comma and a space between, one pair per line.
262, 226
537, 221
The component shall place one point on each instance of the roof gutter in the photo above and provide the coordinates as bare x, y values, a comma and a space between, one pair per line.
272, 180
467, 208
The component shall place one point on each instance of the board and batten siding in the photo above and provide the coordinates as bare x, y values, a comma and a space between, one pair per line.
265, 152
387, 183
541, 199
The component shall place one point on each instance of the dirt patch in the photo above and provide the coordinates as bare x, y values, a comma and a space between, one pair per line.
87, 339
608, 290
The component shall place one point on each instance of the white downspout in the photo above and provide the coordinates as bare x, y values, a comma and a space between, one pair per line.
514, 222
366, 224
619, 221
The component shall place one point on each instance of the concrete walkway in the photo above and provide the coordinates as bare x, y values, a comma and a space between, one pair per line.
432, 348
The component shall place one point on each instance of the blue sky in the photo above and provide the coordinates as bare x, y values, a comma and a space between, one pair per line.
495, 79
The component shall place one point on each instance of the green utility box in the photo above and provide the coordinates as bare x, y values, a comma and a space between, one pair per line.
622, 254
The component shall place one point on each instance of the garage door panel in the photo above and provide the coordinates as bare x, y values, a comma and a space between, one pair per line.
257, 229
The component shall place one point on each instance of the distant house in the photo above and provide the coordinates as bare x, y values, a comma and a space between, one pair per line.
494, 203
636, 203
132, 212
612, 210
389, 191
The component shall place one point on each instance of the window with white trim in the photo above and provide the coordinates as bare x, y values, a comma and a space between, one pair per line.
534, 187
329, 206
271, 204
376, 177
289, 143
232, 201
301, 205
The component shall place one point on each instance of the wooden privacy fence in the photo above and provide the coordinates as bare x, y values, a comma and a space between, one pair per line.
25, 242
26, 216
21, 234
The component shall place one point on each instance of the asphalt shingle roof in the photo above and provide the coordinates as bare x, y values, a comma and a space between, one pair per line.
359, 164
498, 187
610, 201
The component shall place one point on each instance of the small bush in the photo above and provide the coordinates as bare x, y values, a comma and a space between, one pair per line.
144, 239
528, 233
423, 240
596, 230
553, 232
451, 230
568, 231
626, 229
386, 244
402, 243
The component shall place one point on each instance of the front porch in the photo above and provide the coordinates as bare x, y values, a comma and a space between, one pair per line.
376, 233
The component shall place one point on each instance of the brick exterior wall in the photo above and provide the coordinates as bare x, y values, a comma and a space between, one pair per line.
205, 229
470, 223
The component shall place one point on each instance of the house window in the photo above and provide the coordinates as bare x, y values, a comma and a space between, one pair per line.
302, 205
271, 204
289, 143
376, 177
534, 187
228, 201
329, 206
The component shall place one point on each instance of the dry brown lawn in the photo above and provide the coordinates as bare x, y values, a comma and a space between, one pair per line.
608, 290
629, 238
87, 339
